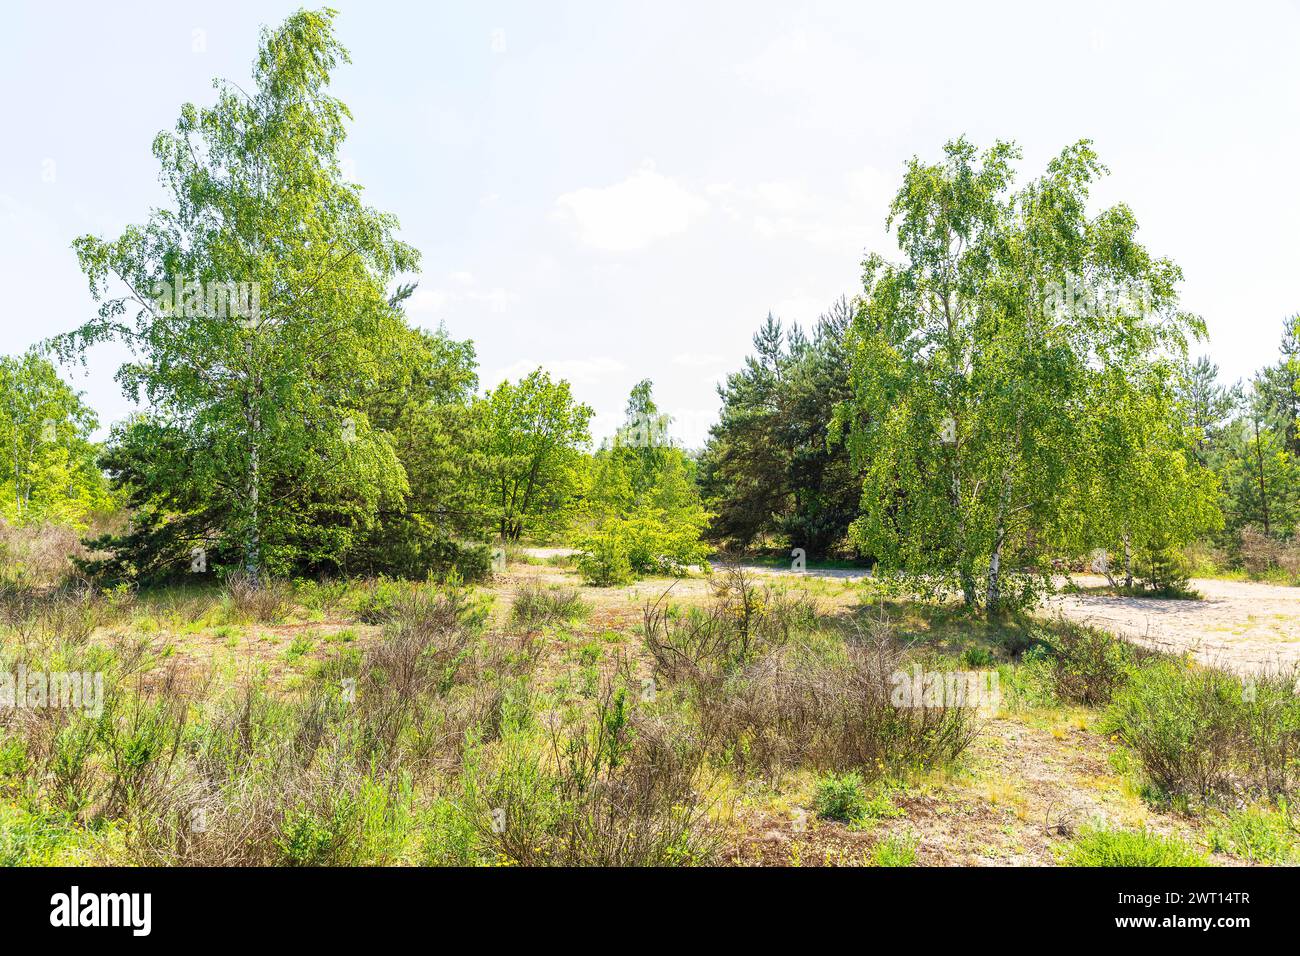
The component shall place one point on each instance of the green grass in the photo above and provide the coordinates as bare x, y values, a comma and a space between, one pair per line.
894, 851
300, 646
1096, 846
1258, 834
847, 799
41, 839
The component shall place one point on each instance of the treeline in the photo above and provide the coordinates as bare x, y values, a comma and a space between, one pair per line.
1010, 396
774, 470
295, 422
1247, 434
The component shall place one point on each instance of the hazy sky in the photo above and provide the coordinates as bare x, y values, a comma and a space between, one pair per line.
621, 190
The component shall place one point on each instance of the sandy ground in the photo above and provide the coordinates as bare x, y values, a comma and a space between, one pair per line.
1242, 625
1239, 624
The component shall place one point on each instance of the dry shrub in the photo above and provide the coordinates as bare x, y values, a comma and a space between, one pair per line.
265, 601
265, 781
535, 606
67, 615
614, 788
1261, 555
789, 709
742, 623
766, 700
432, 678
140, 738
424, 646
40, 554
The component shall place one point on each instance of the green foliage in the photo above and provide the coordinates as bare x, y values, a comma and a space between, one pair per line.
1001, 373
649, 541
46, 838
894, 851
604, 561
308, 838
532, 433
1207, 734
642, 512
1087, 665
50, 472
773, 465
1165, 571
842, 798
1096, 846
977, 658
257, 311
450, 837
1258, 834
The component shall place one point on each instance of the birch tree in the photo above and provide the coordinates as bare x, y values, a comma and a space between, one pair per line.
255, 304
974, 359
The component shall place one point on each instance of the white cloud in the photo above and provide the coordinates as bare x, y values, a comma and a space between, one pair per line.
585, 372
840, 216
804, 63
427, 302
498, 300
632, 214
800, 307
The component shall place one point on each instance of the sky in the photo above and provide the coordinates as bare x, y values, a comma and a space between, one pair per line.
620, 191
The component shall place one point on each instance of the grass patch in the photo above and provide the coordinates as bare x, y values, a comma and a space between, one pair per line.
535, 606
1097, 846
1258, 834
894, 851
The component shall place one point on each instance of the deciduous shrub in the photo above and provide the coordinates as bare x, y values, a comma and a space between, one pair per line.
1087, 665
840, 797
649, 541
604, 561
1203, 732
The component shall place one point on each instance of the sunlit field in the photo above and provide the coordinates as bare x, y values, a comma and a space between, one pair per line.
579, 443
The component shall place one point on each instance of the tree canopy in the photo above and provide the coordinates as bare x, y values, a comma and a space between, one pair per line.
1016, 329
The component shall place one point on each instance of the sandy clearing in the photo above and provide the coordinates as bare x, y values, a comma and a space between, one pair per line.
1242, 625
